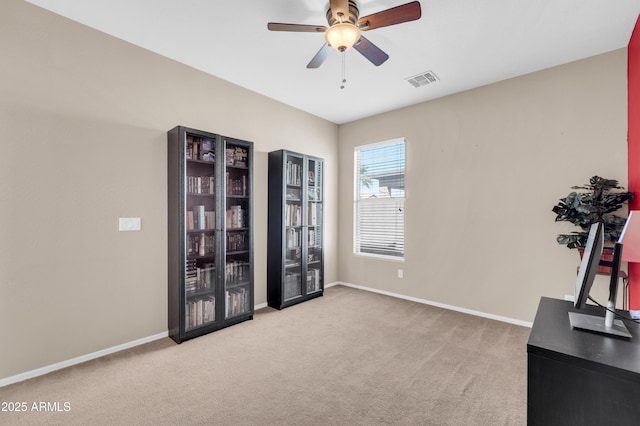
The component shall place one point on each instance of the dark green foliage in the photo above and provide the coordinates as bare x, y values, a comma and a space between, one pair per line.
586, 208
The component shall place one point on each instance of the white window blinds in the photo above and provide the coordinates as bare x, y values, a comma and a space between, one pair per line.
379, 199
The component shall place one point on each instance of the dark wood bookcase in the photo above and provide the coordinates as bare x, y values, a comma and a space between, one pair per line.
210, 232
295, 249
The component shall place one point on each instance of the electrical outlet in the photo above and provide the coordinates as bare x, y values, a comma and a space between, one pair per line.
400, 273
129, 224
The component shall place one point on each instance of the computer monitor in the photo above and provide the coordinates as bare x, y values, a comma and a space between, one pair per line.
589, 265
586, 275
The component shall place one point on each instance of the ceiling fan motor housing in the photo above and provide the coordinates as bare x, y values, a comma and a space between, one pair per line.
354, 13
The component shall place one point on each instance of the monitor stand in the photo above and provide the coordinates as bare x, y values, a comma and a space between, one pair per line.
597, 324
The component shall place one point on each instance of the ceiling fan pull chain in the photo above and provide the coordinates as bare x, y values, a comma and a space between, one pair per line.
344, 79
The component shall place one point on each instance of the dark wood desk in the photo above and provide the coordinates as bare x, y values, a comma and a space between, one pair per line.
577, 377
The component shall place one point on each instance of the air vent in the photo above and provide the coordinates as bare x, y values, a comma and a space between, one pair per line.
423, 79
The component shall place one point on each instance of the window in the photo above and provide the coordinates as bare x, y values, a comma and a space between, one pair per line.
379, 199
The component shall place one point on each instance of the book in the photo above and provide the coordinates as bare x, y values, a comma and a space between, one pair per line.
209, 219
202, 245
198, 217
190, 221
235, 217
313, 214
195, 148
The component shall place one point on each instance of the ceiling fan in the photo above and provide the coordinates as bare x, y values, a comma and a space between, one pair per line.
345, 27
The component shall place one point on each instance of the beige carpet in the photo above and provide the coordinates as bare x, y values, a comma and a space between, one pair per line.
348, 358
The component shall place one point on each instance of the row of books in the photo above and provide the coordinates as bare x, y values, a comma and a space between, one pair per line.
201, 185
313, 280
198, 148
206, 185
200, 311
237, 185
236, 156
235, 217
292, 238
237, 241
204, 244
314, 212
199, 218
293, 173
292, 286
293, 215
199, 277
236, 271
201, 245
314, 238
237, 301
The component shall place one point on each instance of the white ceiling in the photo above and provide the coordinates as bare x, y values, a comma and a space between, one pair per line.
466, 43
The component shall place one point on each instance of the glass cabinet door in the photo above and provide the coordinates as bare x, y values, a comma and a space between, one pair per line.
294, 169
314, 241
238, 298
200, 271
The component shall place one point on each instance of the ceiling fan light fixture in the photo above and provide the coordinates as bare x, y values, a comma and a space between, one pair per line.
342, 36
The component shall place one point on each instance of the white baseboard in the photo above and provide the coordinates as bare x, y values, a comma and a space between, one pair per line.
439, 305
78, 360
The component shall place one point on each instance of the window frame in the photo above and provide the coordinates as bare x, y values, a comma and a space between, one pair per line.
357, 200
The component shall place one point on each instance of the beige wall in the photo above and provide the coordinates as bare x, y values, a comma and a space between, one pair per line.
484, 169
84, 118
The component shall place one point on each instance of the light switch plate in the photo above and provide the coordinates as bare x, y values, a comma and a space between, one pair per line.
129, 224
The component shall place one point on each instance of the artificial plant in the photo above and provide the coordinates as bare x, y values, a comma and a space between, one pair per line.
597, 203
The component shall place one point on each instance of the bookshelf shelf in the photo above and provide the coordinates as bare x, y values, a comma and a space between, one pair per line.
210, 246
295, 257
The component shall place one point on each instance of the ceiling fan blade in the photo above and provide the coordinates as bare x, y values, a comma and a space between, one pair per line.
320, 56
275, 26
339, 6
395, 15
370, 51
